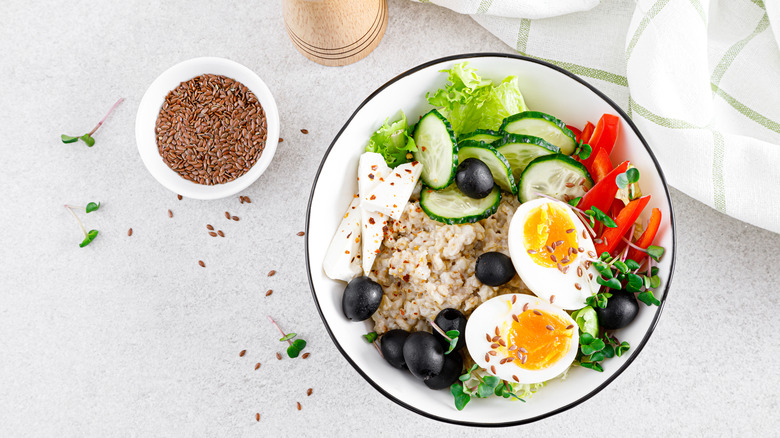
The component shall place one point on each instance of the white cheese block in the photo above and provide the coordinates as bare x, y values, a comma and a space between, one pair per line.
373, 226
342, 260
371, 172
390, 197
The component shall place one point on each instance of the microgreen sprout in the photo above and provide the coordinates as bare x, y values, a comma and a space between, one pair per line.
90, 235
618, 274
583, 151
295, 346
371, 339
450, 335
630, 176
595, 214
594, 350
87, 138
486, 386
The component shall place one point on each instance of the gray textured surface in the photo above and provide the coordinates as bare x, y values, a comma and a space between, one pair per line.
130, 337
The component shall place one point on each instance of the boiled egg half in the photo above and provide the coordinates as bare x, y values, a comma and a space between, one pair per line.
552, 252
522, 338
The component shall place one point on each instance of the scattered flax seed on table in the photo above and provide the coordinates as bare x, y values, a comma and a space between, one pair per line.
170, 213
270, 291
271, 273
212, 234
247, 200
130, 232
242, 353
221, 234
179, 196
257, 365
308, 392
279, 356
301, 233
299, 405
305, 355
304, 131
281, 139
257, 416
209, 227
227, 215
236, 218
202, 265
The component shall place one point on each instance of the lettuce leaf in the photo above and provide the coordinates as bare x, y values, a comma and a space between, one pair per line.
393, 141
470, 102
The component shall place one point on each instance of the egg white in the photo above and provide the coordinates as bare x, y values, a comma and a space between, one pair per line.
551, 283
497, 312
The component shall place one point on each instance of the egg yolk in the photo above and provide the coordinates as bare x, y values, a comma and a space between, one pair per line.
539, 337
550, 236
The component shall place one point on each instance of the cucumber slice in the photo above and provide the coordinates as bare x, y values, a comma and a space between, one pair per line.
436, 150
519, 150
550, 175
450, 206
543, 126
483, 135
499, 166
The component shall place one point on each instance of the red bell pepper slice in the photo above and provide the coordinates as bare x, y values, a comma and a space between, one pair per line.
587, 133
627, 216
601, 165
603, 193
646, 239
604, 136
577, 132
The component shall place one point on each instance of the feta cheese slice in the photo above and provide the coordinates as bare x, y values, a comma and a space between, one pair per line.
390, 197
371, 172
343, 260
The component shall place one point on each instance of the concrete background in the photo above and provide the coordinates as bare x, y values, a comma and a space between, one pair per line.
130, 337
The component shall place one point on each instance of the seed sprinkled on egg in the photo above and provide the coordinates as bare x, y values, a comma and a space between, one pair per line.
553, 258
531, 251
536, 312
494, 345
487, 357
514, 299
570, 230
487, 336
493, 369
549, 327
552, 298
525, 307
577, 285
515, 378
492, 352
515, 318
522, 350
570, 326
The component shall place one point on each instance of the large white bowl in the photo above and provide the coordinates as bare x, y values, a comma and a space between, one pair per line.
150, 106
545, 88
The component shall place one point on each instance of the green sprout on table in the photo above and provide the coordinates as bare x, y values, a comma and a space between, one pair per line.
90, 235
87, 138
296, 346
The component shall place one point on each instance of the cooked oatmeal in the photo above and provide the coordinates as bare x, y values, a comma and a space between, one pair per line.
425, 266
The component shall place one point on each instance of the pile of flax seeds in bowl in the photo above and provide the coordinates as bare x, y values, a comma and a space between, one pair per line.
211, 129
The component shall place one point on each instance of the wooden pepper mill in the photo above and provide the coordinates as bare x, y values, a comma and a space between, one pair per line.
335, 32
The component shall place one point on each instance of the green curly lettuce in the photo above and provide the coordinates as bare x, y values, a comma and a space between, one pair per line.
393, 141
470, 102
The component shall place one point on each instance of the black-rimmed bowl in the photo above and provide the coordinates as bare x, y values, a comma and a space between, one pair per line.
545, 88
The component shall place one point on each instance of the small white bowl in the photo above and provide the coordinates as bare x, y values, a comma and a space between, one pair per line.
149, 109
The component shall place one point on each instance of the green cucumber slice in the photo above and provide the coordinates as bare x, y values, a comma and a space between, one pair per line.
483, 135
550, 175
436, 150
519, 150
541, 125
497, 163
451, 206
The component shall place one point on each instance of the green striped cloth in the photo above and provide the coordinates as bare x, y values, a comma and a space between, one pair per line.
701, 80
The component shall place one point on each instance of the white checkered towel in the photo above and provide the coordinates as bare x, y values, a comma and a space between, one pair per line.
701, 80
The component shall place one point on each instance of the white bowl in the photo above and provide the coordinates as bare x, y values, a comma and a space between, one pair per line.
545, 88
153, 99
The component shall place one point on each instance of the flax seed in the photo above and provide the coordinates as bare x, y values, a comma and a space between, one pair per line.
170, 213
257, 365
209, 227
493, 369
304, 131
525, 307
536, 312
271, 273
301, 233
549, 327
257, 416
305, 355
278, 356
235, 218
552, 298
492, 352
212, 234
309, 391
270, 291
202, 265
130, 232
227, 215
221, 234
299, 405
242, 353
494, 345
179, 196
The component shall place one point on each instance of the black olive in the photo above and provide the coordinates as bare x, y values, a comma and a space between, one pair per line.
451, 319
494, 268
392, 348
474, 178
620, 311
361, 298
423, 355
453, 368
